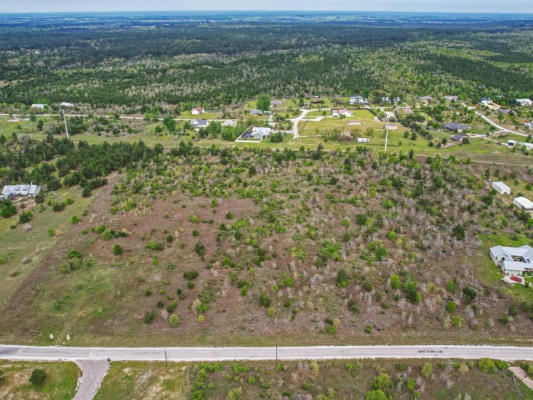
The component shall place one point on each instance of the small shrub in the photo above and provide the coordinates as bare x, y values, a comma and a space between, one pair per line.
37, 377
174, 321
199, 249
149, 317
190, 275
264, 300
117, 250
25, 216
172, 306
451, 307
487, 365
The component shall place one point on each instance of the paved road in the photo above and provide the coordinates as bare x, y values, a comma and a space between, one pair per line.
296, 120
93, 374
501, 128
188, 354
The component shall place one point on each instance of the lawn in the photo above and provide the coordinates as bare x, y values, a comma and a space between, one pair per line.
144, 381
23, 251
60, 383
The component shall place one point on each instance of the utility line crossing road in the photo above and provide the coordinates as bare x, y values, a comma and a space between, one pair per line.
191, 354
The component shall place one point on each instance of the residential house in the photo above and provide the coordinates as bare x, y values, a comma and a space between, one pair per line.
359, 100
363, 140
526, 145
486, 101
341, 112
456, 127
524, 102
197, 111
514, 261
229, 122
276, 103
458, 137
501, 188
529, 125
257, 133
256, 111
523, 203
426, 99
505, 111
199, 123
38, 106
12, 191
451, 98
389, 115
66, 105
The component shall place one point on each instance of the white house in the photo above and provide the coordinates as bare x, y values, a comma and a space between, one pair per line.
11, 191
229, 122
451, 98
486, 101
66, 105
38, 106
529, 125
501, 188
338, 112
363, 140
513, 260
524, 102
389, 115
199, 123
197, 111
526, 145
358, 100
523, 203
257, 132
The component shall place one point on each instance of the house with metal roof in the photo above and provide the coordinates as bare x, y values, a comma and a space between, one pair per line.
456, 127
199, 123
513, 260
13, 191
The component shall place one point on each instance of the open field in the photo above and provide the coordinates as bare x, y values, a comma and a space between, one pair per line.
60, 383
278, 243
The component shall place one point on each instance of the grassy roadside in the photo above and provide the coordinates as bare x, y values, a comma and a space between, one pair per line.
60, 383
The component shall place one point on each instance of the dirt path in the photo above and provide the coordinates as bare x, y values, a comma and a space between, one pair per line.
521, 374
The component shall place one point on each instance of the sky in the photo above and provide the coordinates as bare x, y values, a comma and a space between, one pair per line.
480, 6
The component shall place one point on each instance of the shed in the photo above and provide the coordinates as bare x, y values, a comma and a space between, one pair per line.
523, 203
501, 188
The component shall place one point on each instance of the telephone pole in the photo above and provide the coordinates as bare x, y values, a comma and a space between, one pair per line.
65, 122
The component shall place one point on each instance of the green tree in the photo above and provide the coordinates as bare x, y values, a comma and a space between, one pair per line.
376, 395
263, 102
170, 123
37, 377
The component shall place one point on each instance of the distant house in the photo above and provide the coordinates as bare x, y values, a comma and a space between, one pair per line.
451, 98
257, 133
317, 100
197, 111
38, 106
256, 111
486, 101
526, 145
276, 103
523, 203
387, 99
389, 115
341, 112
514, 261
229, 122
505, 111
425, 99
501, 188
524, 102
529, 125
12, 191
199, 123
363, 140
456, 127
458, 137
66, 105
357, 99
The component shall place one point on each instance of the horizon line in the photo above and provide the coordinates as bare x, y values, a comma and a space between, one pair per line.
466, 12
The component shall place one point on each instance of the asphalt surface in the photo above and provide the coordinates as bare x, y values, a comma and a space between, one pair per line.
93, 374
191, 354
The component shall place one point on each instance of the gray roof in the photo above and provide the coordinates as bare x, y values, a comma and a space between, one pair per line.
199, 122
20, 190
454, 126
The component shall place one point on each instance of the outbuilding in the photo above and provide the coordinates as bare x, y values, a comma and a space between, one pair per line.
523, 203
501, 188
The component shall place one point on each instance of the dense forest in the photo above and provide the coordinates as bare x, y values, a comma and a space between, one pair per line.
219, 59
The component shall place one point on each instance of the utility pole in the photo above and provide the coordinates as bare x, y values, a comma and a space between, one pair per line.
65, 122
386, 133
166, 359
276, 356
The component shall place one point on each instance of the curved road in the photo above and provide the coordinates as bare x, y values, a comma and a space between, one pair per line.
494, 124
93, 361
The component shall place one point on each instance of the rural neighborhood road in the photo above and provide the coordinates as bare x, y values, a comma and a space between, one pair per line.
296, 120
494, 124
93, 361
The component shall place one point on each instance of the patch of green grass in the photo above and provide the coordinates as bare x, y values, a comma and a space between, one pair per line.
60, 383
